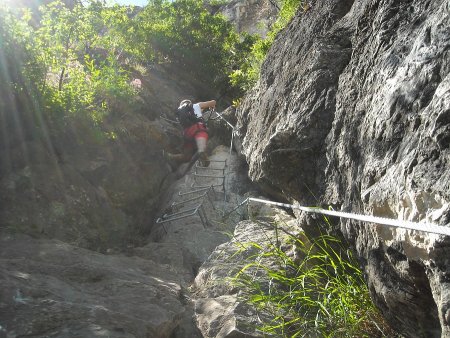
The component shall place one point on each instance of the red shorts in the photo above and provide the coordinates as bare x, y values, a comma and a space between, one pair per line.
193, 132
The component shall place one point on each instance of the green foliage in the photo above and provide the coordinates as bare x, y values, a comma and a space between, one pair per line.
80, 49
15, 52
70, 62
18, 91
218, 3
248, 73
73, 59
185, 33
319, 291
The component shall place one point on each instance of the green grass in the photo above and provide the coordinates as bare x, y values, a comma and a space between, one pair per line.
308, 289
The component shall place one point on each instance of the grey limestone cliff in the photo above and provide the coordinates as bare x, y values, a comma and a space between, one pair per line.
251, 16
352, 110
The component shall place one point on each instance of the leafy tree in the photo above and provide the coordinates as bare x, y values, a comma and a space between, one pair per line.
71, 62
185, 33
81, 47
74, 60
19, 74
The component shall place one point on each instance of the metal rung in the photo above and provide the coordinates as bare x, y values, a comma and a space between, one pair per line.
197, 190
169, 218
160, 220
166, 216
208, 168
207, 186
197, 210
174, 204
212, 176
223, 161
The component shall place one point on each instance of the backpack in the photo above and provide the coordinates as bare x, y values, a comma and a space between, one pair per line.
186, 115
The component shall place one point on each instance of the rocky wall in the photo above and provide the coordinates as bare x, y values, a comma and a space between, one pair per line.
97, 187
352, 110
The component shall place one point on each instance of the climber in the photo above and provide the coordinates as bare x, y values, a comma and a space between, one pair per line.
195, 133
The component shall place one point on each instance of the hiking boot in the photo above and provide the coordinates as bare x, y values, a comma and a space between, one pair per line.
203, 160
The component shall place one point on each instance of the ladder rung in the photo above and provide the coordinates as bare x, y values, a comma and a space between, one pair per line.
223, 161
175, 203
212, 176
208, 168
201, 188
208, 186
179, 215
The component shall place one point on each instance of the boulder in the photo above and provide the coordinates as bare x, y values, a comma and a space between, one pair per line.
219, 307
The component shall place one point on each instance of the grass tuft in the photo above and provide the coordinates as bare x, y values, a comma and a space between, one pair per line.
314, 290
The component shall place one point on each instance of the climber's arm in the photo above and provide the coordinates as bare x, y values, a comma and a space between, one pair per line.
207, 104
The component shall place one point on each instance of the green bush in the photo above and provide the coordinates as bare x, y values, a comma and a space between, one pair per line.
69, 62
185, 33
248, 73
72, 62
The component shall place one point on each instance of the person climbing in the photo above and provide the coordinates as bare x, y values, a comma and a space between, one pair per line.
195, 133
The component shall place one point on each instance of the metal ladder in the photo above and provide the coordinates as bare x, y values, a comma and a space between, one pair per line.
191, 202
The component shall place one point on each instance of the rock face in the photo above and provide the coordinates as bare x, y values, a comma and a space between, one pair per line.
53, 289
352, 110
219, 309
251, 16
83, 195
81, 186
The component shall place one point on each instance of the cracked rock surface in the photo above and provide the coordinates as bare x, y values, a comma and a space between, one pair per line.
352, 110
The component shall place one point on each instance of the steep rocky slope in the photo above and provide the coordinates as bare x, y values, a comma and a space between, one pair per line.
72, 204
76, 184
352, 110
54, 289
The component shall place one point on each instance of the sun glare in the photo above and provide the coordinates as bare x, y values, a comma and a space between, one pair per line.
12, 3
22, 3
9, 3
